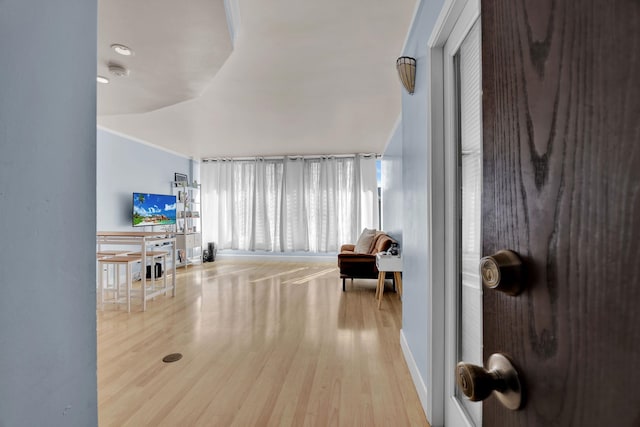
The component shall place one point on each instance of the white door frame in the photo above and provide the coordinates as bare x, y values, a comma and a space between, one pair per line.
456, 288
452, 11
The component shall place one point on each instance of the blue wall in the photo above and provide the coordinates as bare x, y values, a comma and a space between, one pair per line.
125, 166
47, 207
392, 189
419, 299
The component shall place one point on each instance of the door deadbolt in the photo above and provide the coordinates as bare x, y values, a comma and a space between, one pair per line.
501, 378
502, 271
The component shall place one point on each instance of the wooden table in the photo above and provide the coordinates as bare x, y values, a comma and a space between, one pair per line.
142, 240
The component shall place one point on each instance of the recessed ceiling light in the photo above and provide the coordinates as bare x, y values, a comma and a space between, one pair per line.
118, 70
122, 49
102, 79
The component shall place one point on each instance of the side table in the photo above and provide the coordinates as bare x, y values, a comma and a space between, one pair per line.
388, 263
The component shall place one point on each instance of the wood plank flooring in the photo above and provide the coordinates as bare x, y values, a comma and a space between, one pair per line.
263, 344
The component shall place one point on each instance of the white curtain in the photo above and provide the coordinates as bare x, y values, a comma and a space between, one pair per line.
290, 204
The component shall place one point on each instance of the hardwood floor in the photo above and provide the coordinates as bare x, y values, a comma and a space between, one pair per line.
268, 343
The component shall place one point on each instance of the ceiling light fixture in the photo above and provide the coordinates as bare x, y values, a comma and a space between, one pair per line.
122, 49
118, 70
102, 79
407, 71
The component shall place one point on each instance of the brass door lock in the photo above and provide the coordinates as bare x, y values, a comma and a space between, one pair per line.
502, 271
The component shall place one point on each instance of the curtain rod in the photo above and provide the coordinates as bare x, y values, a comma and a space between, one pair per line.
314, 156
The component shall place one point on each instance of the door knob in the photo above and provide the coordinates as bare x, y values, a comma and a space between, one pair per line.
502, 271
477, 383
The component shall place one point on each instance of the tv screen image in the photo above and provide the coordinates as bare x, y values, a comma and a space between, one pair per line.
153, 209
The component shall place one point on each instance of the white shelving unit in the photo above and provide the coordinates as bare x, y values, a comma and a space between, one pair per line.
188, 225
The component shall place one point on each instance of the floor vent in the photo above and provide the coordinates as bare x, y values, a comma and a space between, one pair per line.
173, 357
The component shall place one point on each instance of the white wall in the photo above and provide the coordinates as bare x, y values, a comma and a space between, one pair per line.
421, 299
125, 166
47, 212
392, 190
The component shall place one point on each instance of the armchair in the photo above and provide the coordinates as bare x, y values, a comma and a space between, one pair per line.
362, 265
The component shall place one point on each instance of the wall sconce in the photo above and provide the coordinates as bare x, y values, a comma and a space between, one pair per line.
407, 71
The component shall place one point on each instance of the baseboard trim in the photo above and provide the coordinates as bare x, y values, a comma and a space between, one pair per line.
279, 257
421, 388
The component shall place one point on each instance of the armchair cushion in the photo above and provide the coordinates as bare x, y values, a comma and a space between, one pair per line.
347, 247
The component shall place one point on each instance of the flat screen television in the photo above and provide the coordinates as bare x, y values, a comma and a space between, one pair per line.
153, 209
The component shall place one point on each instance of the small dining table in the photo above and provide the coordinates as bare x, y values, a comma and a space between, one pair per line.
142, 240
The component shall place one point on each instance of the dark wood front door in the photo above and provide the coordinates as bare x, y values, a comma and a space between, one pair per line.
561, 187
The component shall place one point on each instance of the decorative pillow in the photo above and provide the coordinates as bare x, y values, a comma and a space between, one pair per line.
365, 241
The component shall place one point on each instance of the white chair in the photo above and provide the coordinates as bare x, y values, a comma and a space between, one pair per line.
113, 288
108, 254
152, 285
153, 257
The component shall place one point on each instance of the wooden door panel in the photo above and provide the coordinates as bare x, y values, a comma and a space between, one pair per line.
561, 123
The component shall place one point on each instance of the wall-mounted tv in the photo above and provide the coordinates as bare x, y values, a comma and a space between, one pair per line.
153, 209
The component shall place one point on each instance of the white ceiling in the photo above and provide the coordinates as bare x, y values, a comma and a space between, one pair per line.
303, 77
